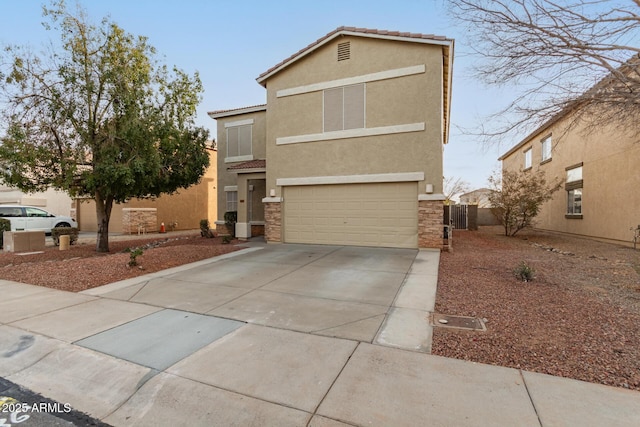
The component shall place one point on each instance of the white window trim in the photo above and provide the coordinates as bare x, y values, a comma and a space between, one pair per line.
352, 179
382, 75
230, 188
238, 123
351, 133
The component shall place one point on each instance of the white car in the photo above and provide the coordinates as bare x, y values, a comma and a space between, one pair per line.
31, 218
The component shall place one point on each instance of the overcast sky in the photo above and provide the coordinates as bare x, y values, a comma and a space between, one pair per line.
230, 43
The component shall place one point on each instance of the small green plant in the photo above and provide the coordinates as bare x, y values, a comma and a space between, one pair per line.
226, 239
205, 229
5, 225
524, 272
133, 255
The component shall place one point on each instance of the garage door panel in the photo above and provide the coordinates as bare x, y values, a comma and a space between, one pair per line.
377, 214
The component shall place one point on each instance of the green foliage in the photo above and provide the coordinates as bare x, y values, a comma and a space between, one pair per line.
133, 256
64, 231
205, 229
226, 239
5, 225
230, 219
524, 272
98, 118
517, 197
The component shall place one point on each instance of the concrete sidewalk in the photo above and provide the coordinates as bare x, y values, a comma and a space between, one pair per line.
282, 335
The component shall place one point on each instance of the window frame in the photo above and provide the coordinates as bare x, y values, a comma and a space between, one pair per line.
545, 149
343, 102
574, 183
528, 158
232, 202
237, 128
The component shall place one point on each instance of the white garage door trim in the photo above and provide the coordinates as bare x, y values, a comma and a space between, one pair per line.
352, 179
362, 214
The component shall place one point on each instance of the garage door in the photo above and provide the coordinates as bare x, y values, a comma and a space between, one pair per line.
380, 214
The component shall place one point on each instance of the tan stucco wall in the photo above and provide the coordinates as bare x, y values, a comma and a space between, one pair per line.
186, 206
611, 177
225, 177
403, 100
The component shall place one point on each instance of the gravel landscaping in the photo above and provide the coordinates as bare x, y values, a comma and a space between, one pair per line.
579, 317
81, 267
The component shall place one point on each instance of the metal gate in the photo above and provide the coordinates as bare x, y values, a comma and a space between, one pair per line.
458, 216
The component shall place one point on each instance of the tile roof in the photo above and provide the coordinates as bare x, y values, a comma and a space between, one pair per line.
350, 30
251, 164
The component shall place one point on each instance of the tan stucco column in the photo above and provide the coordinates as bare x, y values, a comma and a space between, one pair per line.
243, 229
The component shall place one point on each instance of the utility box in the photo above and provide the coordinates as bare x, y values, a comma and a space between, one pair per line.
23, 241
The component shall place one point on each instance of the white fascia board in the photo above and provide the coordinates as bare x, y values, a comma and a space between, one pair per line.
239, 123
382, 75
238, 159
256, 170
352, 179
351, 133
237, 112
230, 188
432, 197
272, 200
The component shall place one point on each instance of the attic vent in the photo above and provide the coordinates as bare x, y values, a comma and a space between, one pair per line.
344, 51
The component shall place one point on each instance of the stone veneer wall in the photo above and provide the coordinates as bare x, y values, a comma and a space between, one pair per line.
222, 229
273, 221
257, 230
430, 224
132, 218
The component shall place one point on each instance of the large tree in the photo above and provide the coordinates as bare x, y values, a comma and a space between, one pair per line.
517, 197
559, 55
97, 116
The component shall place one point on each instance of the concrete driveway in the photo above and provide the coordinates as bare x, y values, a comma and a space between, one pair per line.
354, 293
286, 335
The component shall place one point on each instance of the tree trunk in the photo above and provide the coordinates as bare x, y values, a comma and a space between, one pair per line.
103, 214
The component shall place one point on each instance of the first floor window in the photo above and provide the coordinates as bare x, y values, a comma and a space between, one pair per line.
232, 201
574, 202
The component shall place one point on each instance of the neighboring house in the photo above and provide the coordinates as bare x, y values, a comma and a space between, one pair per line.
348, 148
600, 169
56, 202
478, 197
181, 210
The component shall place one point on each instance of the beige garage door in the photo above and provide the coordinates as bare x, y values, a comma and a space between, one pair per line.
384, 214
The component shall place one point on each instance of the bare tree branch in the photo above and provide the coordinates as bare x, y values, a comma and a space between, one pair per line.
578, 55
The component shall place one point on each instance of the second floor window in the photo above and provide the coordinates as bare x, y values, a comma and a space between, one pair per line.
546, 148
344, 108
527, 159
239, 141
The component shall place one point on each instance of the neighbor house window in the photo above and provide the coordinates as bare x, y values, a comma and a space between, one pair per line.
232, 201
527, 159
239, 141
574, 191
344, 108
546, 148
574, 202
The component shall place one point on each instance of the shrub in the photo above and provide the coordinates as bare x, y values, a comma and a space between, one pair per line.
226, 239
5, 225
64, 231
524, 272
205, 229
230, 219
133, 256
